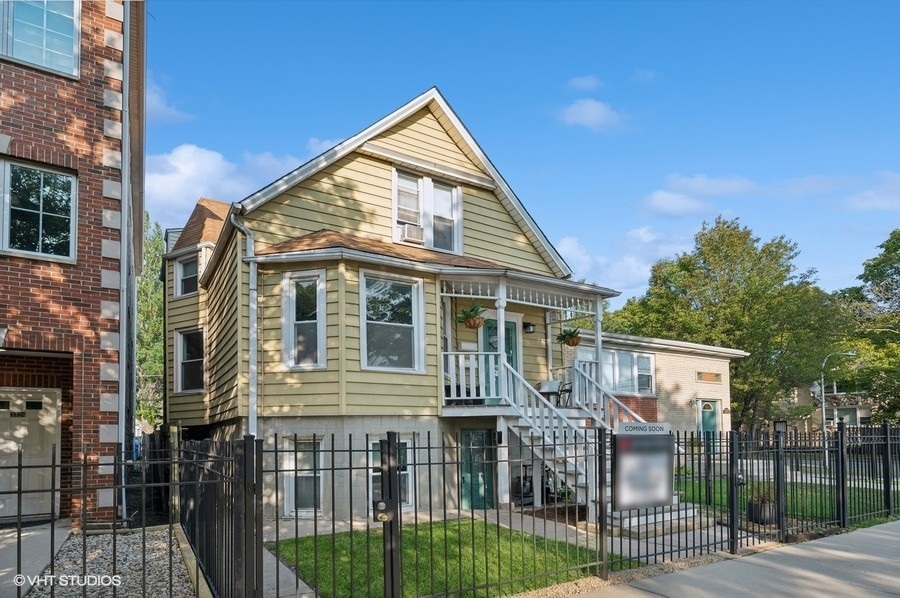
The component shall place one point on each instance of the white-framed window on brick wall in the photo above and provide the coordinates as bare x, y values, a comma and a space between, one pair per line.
39, 211
189, 353
43, 33
625, 372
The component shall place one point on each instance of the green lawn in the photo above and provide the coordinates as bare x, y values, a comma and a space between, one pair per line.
436, 558
804, 500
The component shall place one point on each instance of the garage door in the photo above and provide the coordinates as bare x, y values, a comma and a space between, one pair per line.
29, 419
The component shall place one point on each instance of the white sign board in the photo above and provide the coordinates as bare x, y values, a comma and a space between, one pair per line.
643, 428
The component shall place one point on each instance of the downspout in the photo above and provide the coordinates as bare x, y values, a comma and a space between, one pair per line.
127, 294
252, 337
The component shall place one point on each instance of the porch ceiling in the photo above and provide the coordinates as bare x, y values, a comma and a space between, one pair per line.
524, 289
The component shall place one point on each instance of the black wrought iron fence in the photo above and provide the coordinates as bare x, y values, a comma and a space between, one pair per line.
473, 514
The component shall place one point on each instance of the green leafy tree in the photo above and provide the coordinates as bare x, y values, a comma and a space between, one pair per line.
732, 290
150, 334
875, 306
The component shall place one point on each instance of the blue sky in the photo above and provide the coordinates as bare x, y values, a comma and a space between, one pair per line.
622, 126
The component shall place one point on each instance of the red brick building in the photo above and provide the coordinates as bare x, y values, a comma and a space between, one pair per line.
71, 182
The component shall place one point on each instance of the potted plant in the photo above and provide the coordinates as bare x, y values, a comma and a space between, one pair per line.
471, 316
761, 503
569, 336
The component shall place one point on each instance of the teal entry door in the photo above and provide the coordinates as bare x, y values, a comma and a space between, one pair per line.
709, 424
477, 469
491, 341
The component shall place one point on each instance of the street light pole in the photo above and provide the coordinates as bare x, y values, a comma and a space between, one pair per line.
822, 399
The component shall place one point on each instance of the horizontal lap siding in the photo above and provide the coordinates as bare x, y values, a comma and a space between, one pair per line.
490, 233
422, 136
223, 338
298, 391
182, 313
352, 196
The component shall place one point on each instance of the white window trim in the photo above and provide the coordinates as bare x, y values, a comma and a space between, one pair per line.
418, 300
179, 275
634, 369
288, 297
6, 41
289, 466
179, 359
410, 470
426, 210
5, 215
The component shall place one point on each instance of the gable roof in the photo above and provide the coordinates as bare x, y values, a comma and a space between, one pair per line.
434, 101
204, 225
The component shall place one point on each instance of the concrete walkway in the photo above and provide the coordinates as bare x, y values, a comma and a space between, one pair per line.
862, 563
35, 556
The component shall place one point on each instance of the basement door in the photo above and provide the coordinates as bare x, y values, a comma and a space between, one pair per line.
29, 418
477, 469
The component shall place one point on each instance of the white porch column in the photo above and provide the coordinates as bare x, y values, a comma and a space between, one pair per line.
502, 457
501, 334
598, 353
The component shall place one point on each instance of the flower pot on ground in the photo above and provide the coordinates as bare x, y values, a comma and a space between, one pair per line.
761, 503
569, 336
471, 316
762, 513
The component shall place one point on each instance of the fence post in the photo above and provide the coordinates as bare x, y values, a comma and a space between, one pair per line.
390, 508
239, 527
733, 491
886, 468
841, 461
603, 502
780, 476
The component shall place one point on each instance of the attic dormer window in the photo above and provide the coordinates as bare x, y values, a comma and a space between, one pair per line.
428, 212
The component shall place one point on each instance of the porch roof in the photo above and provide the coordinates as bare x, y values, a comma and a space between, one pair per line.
461, 276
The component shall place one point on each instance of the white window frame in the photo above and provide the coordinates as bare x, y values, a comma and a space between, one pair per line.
288, 328
610, 371
180, 361
418, 321
6, 213
426, 210
7, 16
180, 277
291, 472
408, 471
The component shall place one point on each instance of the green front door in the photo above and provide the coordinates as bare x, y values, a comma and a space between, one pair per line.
491, 341
477, 469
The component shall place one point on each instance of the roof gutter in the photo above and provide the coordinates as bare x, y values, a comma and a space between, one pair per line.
253, 335
337, 253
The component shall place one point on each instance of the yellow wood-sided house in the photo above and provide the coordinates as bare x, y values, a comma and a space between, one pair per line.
328, 303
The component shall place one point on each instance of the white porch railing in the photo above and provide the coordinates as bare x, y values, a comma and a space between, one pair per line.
472, 378
588, 394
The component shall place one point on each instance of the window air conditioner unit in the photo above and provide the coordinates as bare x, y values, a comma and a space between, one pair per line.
412, 233
408, 215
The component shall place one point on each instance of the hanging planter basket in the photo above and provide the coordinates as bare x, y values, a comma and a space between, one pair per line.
473, 322
573, 342
569, 337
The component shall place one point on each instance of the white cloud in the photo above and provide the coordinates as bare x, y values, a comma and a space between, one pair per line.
706, 186
158, 108
177, 179
643, 76
643, 234
316, 146
576, 255
592, 114
885, 196
674, 204
584, 82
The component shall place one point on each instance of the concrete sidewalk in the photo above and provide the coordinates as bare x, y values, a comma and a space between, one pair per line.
857, 564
